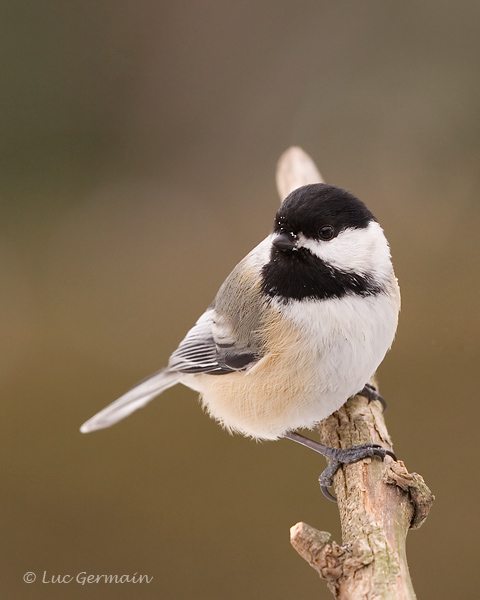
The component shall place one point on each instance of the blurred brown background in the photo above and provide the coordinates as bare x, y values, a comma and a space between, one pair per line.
138, 146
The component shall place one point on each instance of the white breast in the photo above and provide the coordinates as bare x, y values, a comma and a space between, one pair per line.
325, 352
349, 338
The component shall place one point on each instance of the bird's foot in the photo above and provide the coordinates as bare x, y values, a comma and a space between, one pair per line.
338, 457
346, 456
370, 393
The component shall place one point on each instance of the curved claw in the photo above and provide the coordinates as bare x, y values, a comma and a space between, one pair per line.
382, 401
327, 494
382, 452
371, 394
326, 479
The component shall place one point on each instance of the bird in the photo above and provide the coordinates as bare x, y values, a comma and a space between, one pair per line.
300, 325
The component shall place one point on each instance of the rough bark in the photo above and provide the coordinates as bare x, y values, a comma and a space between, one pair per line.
378, 501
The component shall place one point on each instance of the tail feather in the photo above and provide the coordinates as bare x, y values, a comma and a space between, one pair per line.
136, 398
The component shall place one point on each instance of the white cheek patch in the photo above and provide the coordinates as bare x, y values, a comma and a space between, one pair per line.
363, 251
260, 255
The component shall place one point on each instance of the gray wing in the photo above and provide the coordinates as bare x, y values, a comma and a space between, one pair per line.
227, 337
202, 351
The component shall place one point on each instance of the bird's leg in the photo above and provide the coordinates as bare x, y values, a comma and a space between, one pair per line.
370, 393
338, 457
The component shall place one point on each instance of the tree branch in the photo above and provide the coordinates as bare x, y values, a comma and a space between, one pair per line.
378, 501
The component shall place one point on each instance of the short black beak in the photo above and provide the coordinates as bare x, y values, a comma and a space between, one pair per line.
285, 241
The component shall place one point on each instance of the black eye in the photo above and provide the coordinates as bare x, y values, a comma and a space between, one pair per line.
326, 233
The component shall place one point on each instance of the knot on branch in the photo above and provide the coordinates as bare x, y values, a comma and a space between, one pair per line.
413, 484
331, 561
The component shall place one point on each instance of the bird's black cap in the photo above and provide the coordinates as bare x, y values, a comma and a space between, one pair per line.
309, 208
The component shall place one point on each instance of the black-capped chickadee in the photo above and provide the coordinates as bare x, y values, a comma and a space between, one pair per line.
299, 326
